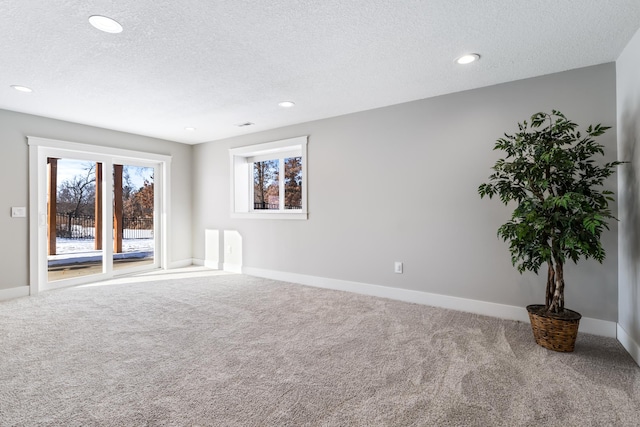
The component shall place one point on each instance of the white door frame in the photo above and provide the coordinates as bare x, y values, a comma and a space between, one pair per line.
39, 150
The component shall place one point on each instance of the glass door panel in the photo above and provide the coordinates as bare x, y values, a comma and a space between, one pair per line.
74, 218
133, 216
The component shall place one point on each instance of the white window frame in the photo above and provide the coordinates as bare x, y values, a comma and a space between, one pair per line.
241, 161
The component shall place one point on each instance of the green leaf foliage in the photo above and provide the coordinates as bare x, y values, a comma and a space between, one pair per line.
550, 173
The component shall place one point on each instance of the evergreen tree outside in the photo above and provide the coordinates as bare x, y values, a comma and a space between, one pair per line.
293, 183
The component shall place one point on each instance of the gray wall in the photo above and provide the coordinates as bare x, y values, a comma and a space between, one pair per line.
628, 98
399, 184
14, 179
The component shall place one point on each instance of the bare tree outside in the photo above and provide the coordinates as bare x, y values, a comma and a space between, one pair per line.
265, 185
76, 196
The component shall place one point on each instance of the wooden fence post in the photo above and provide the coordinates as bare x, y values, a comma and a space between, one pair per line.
98, 208
117, 209
52, 196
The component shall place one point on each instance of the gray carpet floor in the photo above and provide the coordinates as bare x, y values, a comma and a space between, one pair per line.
233, 350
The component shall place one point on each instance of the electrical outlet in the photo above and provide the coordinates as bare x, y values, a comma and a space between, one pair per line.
397, 268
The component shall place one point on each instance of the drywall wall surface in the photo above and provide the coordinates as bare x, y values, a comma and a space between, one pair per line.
14, 183
400, 184
628, 99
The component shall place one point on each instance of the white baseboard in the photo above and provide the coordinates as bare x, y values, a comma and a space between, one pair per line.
629, 344
197, 261
182, 263
502, 311
593, 326
11, 293
232, 268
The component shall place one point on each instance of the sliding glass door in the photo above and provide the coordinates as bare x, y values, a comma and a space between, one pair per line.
94, 214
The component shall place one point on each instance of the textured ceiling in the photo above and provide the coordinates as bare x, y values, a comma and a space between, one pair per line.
215, 64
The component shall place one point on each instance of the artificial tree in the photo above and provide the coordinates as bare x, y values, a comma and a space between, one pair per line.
561, 208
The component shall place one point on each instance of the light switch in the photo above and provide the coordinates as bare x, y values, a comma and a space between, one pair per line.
19, 212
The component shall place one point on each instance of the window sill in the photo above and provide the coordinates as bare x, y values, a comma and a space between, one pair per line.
271, 215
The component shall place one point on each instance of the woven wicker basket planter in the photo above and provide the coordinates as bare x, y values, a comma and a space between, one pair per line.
552, 332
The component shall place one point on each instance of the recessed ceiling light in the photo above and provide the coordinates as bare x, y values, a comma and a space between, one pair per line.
22, 88
190, 129
287, 104
468, 59
105, 24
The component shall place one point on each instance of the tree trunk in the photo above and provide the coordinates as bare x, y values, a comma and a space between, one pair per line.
551, 285
557, 302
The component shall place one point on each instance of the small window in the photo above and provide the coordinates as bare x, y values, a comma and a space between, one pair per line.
269, 180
